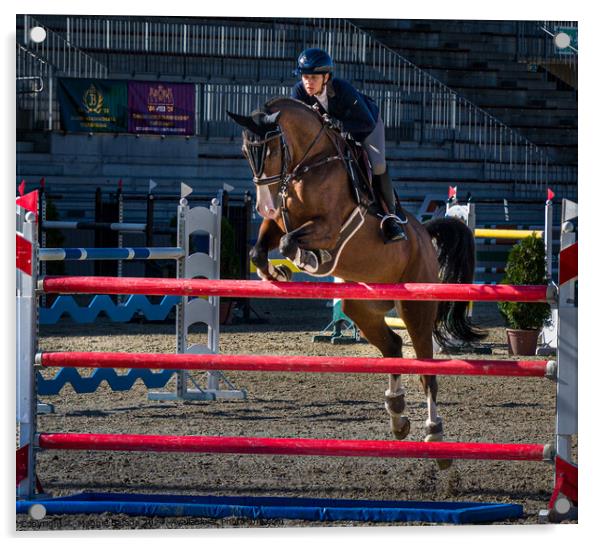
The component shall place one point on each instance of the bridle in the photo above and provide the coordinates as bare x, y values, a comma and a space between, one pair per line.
255, 151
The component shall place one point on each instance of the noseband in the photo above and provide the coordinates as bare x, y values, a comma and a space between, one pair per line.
255, 151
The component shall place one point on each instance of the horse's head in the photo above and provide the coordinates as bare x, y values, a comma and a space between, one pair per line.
283, 143
267, 154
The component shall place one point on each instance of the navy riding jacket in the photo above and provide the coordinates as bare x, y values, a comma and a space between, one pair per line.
357, 112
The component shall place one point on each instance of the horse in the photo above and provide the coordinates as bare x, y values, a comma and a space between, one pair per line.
308, 205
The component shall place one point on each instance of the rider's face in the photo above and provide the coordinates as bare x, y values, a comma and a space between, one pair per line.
313, 83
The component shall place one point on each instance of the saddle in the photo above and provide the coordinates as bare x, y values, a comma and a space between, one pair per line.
359, 173
358, 169
356, 162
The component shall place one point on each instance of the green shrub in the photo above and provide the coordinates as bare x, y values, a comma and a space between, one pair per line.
526, 265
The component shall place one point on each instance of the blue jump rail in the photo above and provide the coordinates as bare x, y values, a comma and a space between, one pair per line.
109, 226
87, 254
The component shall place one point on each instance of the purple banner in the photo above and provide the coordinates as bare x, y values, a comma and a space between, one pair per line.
161, 108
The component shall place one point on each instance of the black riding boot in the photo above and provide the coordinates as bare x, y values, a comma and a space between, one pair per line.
391, 225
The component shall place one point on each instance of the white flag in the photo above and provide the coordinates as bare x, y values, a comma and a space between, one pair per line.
151, 185
185, 190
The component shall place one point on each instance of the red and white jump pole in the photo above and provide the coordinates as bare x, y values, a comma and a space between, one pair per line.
564, 497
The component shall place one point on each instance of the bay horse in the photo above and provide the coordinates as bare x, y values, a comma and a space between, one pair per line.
308, 205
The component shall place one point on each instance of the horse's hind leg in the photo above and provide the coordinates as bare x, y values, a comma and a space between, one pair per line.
395, 405
369, 317
419, 318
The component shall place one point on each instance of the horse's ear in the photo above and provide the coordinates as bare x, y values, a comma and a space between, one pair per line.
272, 119
244, 121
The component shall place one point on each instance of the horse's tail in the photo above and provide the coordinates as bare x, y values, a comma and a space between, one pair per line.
456, 255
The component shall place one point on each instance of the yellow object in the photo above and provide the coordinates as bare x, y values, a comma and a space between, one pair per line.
395, 322
282, 261
506, 233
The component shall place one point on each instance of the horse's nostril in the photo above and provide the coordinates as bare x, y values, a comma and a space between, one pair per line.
267, 211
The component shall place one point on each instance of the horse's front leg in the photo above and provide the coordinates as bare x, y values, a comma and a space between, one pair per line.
268, 238
303, 244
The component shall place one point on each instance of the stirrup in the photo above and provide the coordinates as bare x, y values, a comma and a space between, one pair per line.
392, 230
307, 260
397, 219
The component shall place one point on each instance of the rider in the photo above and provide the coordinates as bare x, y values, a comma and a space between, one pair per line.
359, 116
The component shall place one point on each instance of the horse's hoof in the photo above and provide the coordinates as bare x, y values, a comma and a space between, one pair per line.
283, 273
437, 436
444, 464
280, 273
401, 428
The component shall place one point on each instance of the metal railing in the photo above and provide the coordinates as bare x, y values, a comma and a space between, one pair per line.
66, 58
211, 39
414, 105
34, 90
438, 112
38, 65
535, 42
216, 99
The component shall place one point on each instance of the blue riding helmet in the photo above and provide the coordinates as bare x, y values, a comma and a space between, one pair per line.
314, 61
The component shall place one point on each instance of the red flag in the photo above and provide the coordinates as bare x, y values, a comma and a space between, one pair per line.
551, 194
22, 187
29, 202
568, 264
23, 247
22, 463
567, 478
452, 191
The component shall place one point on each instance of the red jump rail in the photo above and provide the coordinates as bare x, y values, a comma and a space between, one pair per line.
279, 363
295, 290
294, 446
